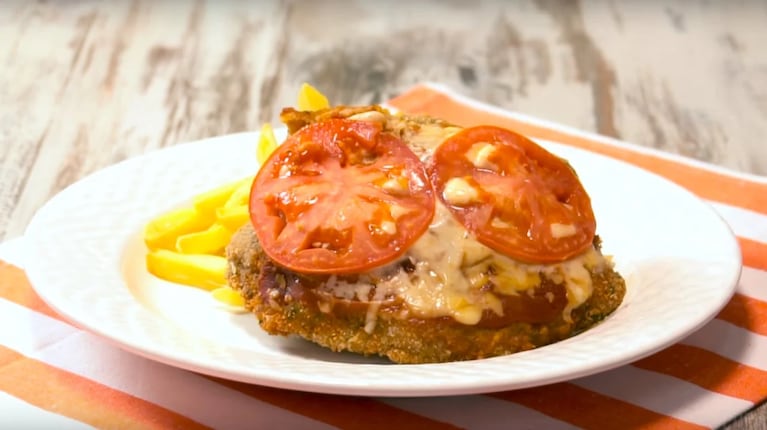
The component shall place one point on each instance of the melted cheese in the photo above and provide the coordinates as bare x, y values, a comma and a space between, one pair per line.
459, 192
559, 230
451, 269
480, 154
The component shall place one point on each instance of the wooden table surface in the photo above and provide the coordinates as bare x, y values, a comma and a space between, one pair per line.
85, 84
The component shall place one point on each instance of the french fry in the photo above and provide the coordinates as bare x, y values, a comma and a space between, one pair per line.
233, 217
310, 99
209, 201
239, 197
197, 270
228, 296
267, 143
185, 245
209, 241
161, 232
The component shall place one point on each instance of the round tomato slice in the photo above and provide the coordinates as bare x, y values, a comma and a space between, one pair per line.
340, 196
515, 196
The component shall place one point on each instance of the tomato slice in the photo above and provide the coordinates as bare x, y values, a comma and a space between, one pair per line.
340, 196
515, 196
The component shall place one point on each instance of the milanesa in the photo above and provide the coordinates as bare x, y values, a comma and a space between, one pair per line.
446, 297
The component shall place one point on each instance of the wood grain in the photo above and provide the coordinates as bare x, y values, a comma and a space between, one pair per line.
86, 84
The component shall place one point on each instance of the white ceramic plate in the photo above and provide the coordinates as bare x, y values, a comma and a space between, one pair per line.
680, 260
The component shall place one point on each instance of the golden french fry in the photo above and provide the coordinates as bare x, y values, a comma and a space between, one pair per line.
239, 197
267, 143
309, 98
209, 241
209, 201
185, 244
161, 232
197, 270
228, 296
233, 217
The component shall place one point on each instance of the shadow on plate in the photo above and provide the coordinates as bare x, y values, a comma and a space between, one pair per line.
296, 346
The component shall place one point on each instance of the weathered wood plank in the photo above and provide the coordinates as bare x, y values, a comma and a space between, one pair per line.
119, 88
677, 80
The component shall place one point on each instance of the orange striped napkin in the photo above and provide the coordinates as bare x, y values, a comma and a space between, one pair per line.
53, 375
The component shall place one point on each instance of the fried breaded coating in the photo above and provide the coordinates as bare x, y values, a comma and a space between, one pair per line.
284, 305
